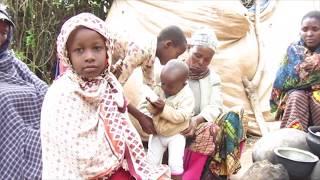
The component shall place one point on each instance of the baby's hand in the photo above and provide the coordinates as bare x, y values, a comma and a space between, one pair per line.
158, 105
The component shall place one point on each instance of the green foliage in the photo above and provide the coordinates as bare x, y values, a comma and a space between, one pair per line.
38, 23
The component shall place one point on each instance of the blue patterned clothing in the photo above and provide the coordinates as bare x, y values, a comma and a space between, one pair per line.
21, 96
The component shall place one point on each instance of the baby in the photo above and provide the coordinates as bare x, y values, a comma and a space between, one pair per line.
171, 113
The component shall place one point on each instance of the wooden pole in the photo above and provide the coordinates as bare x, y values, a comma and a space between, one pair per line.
251, 86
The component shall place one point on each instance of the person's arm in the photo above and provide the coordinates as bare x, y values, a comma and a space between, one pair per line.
144, 120
147, 68
210, 112
214, 109
181, 114
134, 57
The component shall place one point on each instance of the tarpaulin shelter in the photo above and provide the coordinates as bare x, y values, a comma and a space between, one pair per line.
238, 53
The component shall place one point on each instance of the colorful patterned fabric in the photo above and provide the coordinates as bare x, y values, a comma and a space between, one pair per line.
291, 75
301, 108
226, 159
205, 138
85, 128
21, 96
227, 140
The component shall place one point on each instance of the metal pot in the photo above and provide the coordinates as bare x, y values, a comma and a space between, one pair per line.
313, 139
299, 163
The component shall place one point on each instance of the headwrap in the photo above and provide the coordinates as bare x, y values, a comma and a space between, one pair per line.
85, 128
206, 38
87, 20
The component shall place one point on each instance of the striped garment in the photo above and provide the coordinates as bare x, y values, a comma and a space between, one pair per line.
302, 110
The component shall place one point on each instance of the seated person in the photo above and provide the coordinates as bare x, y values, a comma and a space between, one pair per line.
295, 95
171, 113
21, 96
215, 135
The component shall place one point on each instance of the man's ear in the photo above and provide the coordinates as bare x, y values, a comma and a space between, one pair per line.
168, 43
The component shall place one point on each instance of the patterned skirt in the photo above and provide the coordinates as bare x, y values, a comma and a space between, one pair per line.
302, 109
223, 148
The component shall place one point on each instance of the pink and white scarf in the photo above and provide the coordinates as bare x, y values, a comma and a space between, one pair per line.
85, 129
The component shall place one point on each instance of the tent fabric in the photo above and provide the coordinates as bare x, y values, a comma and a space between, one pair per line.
237, 54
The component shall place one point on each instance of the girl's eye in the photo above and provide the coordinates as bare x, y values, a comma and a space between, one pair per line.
98, 48
79, 50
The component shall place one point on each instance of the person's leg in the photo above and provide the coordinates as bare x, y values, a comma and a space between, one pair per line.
194, 164
176, 148
155, 149
315, 111
296, 113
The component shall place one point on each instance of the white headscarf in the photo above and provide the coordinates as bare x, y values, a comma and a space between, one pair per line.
204, 37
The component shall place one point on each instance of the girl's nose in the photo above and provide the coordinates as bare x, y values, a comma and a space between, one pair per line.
89, 57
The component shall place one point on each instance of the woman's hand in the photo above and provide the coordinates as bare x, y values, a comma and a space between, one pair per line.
147, 125
145, 121
189, 132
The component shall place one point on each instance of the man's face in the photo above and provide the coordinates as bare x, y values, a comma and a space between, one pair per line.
4, 31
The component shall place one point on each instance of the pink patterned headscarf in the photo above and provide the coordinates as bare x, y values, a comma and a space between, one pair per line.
87, 20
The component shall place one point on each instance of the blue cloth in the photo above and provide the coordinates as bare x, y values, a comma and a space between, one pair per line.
287, 77
21, 96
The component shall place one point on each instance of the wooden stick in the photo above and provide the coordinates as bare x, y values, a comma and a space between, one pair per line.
251, 86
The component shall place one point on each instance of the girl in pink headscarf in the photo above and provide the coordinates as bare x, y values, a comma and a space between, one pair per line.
85, 129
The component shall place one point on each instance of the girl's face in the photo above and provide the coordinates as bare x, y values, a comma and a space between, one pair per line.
87, 52
310, 32
4, 31
200, 57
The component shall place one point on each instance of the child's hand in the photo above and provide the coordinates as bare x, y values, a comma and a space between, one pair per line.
158, 105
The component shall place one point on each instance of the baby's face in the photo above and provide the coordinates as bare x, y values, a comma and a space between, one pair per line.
4, 31
172, 83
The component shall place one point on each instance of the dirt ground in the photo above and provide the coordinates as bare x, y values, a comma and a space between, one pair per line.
246, 158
